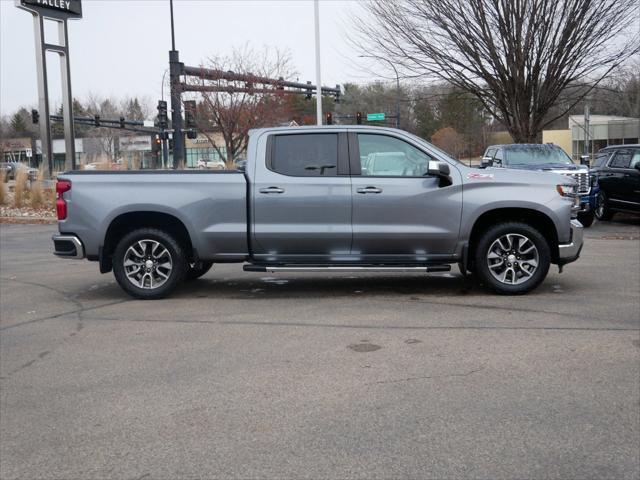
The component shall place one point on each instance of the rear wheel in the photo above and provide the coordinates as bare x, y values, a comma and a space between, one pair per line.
603, 212
512, 258
149, 263
586, 218
197, 269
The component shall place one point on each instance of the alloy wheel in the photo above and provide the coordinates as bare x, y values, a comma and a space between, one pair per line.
147, 264
512, 259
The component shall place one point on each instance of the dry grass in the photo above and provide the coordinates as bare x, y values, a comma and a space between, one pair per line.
20, 190
36, 195
3, 189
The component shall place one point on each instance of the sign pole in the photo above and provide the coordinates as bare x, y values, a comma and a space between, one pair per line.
43, 98
60, 12
67, 98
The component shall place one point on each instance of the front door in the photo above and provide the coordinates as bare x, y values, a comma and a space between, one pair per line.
302, 199
400, 214
621, 181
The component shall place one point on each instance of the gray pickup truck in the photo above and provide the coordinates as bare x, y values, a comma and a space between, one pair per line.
321, 199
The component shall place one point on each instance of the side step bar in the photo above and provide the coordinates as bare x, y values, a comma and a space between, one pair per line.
347, 268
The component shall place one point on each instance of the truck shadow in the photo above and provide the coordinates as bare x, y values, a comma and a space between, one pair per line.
297, 286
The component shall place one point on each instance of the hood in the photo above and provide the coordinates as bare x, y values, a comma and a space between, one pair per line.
549, 167
514, 176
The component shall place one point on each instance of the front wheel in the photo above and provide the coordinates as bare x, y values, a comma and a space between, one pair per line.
586, 218
512, 258
603, 212
149, 263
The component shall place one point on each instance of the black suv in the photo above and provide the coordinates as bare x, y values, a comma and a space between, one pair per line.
617, 169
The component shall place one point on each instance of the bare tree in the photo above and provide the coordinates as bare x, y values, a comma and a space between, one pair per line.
516, 56
233, 113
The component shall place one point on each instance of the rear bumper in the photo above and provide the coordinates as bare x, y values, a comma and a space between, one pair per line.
570, 252
67, 246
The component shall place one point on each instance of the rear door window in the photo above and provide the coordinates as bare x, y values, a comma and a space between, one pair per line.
305, 155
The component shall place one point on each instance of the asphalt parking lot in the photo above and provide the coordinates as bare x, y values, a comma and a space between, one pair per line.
245, 375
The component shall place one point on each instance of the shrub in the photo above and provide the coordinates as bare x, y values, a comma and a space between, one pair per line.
36, 195
3, 192
20, 191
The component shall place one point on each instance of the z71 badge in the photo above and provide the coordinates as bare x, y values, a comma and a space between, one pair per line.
480, 176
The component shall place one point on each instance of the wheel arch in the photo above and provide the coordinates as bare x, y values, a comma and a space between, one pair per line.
538, 220
128, 221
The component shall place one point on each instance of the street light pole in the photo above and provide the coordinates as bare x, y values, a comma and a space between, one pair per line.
316, 12
397, 84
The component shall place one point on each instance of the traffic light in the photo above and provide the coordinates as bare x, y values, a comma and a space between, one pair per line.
156, 145
329, 118
121, 122
96, 120
190, 114
190, 119
309, 91
163, 119
35, 116
358, 118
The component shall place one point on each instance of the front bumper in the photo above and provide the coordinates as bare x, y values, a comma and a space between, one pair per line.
67, 246
570, 252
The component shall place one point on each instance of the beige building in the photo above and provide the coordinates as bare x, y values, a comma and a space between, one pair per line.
604, 130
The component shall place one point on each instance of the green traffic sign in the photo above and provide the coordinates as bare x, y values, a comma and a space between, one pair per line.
372, 117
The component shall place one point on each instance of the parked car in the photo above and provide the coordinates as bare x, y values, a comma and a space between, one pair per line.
217, 164
617, 173
546, 158
304, 203
11, 169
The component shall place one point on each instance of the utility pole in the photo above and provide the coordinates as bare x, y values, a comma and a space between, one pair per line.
316, 8
175, 70
587, 135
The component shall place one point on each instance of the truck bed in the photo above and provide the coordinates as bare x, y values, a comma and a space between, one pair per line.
212, 206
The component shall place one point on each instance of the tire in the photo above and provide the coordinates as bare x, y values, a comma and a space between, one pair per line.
165, 268
512, 258
198, 269
602, 211
586, 218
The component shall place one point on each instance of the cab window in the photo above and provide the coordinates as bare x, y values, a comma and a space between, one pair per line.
305, 155
621, 159
385, 156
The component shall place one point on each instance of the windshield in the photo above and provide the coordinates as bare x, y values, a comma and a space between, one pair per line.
536, 155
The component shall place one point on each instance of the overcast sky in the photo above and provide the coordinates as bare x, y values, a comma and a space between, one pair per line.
120, 47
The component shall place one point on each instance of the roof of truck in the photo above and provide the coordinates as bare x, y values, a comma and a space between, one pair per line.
327, 127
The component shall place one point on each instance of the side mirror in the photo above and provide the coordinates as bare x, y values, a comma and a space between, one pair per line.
486, 162
584, 160
637, 166
440, 170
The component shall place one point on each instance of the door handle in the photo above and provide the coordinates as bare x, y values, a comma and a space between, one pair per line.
369, 190
272, 190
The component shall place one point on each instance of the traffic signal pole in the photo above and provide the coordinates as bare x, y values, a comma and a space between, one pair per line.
175, 70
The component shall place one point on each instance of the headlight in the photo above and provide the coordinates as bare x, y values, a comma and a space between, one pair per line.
566, 190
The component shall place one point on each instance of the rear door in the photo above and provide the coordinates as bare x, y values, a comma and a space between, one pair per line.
400, 214
619, 180
302, 198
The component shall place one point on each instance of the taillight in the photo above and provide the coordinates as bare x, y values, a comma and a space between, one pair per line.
61, 206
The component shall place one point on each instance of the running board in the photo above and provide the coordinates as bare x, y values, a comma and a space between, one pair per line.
346, 268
